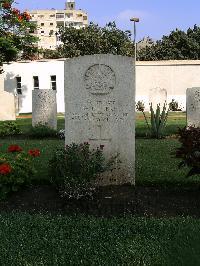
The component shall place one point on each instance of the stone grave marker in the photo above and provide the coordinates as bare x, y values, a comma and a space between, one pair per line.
7, 103
157, 96
99, 109
44, 108
193, 106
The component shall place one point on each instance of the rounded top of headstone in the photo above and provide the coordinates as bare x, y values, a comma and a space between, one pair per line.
100, 79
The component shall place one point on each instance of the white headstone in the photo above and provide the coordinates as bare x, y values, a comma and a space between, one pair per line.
99, 109
193, 106
157, 96
7, 103
44, 108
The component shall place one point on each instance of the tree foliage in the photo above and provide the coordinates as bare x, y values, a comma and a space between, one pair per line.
178, 45
14, 33
95, 40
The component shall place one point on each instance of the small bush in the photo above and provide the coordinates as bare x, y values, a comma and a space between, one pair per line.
189, 151
74, 168
42, 131
173, 106
9, 128
61, 134
140, 106
16, 169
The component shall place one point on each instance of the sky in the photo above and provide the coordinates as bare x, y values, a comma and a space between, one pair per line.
157, 17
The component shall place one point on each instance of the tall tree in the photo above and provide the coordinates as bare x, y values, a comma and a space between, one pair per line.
14, 33
178, 45
95, 40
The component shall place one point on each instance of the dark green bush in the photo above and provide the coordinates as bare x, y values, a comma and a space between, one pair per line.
174, 106
189, 151
74, 168
9, 128
42, 131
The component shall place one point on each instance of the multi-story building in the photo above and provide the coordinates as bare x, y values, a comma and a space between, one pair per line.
49, 21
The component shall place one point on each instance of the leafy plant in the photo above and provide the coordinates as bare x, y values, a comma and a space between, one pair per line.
9, 128
42, 131
140, 106
158, 120
173, 106
74, 168
189, 151
16, 169
94, 39
61, 134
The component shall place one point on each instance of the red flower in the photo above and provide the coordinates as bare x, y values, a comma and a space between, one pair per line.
14, 148
26, 16
6, 5
101, 147
5, 169
15, 11
20, 18
34, 152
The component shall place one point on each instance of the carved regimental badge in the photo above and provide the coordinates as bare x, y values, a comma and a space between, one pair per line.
100, 79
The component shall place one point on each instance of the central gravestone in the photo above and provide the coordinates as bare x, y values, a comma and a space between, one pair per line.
99, 109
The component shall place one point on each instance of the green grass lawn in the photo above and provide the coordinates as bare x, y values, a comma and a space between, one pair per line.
154, 160
60, 240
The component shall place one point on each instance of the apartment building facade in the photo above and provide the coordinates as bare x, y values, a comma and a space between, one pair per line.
49, 21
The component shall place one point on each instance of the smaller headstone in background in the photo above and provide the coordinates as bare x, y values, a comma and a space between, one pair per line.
44, 108
7, 106
157, 96
193, 106
7, 103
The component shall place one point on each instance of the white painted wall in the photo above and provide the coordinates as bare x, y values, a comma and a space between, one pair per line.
174, 76
26, 70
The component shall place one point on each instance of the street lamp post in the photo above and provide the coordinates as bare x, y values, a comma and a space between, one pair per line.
135, 20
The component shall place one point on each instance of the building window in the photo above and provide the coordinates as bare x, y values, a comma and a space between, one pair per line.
42, 32
52, 16
51, 24
42, 24
84, 17
35, 82
60, 15
19, 85
53, 82
40, 16
51, 33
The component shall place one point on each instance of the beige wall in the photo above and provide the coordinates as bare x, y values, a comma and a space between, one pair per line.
174, 76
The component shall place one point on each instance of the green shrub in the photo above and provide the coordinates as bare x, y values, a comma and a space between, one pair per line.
42, 131
74, 168
189, 151
158, 121
9, 128
140, 106
16, 169
173, 106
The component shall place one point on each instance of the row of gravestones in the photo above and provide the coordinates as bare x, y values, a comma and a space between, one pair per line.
99, 109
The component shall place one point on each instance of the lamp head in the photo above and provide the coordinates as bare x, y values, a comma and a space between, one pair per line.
135, 19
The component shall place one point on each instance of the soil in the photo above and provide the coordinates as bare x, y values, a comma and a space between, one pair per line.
109, 201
